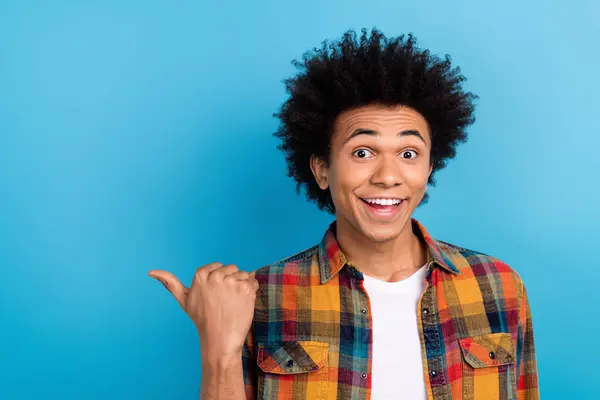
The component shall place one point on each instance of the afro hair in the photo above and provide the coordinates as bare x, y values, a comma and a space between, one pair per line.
359, 71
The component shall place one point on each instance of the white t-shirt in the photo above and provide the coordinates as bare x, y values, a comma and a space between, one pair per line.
397, 361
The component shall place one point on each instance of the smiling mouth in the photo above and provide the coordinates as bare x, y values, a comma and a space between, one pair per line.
386, 208
383, 202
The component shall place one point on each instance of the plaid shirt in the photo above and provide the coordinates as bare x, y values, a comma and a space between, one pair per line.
312, 335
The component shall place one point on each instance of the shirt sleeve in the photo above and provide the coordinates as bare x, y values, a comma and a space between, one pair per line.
249, 366
527, 374
249, 362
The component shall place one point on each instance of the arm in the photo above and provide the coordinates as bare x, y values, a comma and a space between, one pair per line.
527, 374
222, 378
232, 378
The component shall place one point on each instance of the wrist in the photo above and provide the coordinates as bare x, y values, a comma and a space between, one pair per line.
221, 360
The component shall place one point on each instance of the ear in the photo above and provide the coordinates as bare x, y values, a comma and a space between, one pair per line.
320, 170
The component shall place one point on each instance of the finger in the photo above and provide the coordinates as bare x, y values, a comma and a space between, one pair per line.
240, 276
208, 268
251, 283
251, 286
221, 273
173, 285
254, 283
203, 272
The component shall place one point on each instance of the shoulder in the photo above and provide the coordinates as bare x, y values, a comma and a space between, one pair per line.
301, 263
485, 268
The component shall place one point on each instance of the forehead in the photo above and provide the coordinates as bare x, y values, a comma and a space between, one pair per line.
383, 119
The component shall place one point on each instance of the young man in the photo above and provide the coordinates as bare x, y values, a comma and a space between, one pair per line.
379, 309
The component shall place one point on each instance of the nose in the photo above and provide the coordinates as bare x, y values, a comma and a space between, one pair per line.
387, 172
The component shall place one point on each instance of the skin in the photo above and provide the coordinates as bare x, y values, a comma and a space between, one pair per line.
370, 159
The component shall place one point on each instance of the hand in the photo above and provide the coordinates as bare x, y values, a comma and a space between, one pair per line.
220, 302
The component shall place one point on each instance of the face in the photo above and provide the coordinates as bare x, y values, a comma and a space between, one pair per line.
378, 169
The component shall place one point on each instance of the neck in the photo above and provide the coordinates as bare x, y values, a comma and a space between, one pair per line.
391, 260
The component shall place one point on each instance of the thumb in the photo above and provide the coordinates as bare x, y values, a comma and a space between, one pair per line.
173, 285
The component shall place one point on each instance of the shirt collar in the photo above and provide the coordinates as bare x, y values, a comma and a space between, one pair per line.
332, 260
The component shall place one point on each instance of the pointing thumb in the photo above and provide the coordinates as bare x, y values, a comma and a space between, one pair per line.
173, 285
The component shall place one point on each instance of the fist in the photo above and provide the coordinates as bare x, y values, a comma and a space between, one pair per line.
220, 302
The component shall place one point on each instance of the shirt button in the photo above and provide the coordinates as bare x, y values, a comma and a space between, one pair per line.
363, 311
425, 311
290, 363
433, 373
492, 355
363, 375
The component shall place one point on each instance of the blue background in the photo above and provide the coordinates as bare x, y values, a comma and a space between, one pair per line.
137, 135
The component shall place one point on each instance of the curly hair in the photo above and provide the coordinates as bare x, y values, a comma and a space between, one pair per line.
355, 72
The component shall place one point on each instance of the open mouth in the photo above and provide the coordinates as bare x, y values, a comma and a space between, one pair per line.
383, 207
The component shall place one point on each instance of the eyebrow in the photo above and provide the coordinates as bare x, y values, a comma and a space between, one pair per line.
370, 132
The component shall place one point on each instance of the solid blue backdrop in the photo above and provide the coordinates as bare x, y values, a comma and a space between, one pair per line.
137, 135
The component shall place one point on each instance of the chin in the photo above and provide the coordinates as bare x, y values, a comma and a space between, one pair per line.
382, 234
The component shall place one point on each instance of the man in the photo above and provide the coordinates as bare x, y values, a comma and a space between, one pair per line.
379, 309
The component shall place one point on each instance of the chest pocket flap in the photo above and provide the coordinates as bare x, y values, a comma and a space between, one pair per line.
292, 357
488, 350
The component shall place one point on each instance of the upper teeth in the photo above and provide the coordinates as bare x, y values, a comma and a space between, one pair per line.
383, 202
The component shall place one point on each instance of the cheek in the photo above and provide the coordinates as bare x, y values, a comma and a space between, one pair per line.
416, 177
347, 177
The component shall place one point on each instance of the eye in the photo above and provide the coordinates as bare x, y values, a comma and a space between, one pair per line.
362, 153
407, 154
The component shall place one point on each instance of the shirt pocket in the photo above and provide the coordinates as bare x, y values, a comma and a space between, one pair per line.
488, 366
292, 369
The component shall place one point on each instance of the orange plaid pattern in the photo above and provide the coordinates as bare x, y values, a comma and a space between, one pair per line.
312, 335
